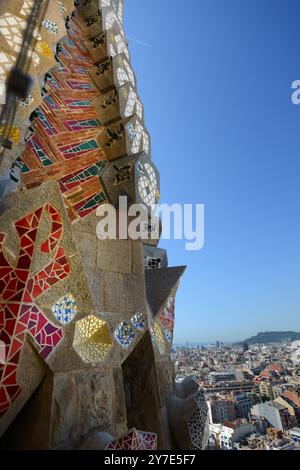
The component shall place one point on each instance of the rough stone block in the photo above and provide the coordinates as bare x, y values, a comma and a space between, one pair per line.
87, 243
134, 289
114, 255
95, 281
113, 288
137, 257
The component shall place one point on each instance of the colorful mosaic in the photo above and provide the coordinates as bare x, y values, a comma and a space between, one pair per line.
65, 309
199, 424
138, 321
43, 49
169, 336
124, 334
72, 155
69, 142
19, 313
135, 440
92, 339
51, 26
158, 337
45, 333
167, 316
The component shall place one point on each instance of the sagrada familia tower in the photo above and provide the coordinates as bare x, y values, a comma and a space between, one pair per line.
86, 324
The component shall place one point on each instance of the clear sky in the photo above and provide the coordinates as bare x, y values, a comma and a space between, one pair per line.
215, 79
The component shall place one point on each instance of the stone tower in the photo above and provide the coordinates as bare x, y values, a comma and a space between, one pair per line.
86, 324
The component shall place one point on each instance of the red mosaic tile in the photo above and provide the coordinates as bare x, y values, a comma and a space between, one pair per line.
69, 115
134, 440
21, 315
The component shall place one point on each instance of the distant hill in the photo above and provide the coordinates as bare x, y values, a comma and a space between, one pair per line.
266, 337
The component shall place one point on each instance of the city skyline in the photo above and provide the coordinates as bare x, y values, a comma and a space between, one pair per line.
225, 133
236, 341
251, 394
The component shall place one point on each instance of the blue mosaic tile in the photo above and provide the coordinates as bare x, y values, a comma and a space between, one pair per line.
124, 334
65, 309
138, 321
168, 335
50, 26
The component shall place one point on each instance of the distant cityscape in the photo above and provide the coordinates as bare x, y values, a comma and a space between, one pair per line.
263, 337
252, 391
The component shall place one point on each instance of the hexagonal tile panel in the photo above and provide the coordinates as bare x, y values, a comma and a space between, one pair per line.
92, 339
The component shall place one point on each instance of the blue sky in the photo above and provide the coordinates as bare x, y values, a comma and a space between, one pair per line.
216, 87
